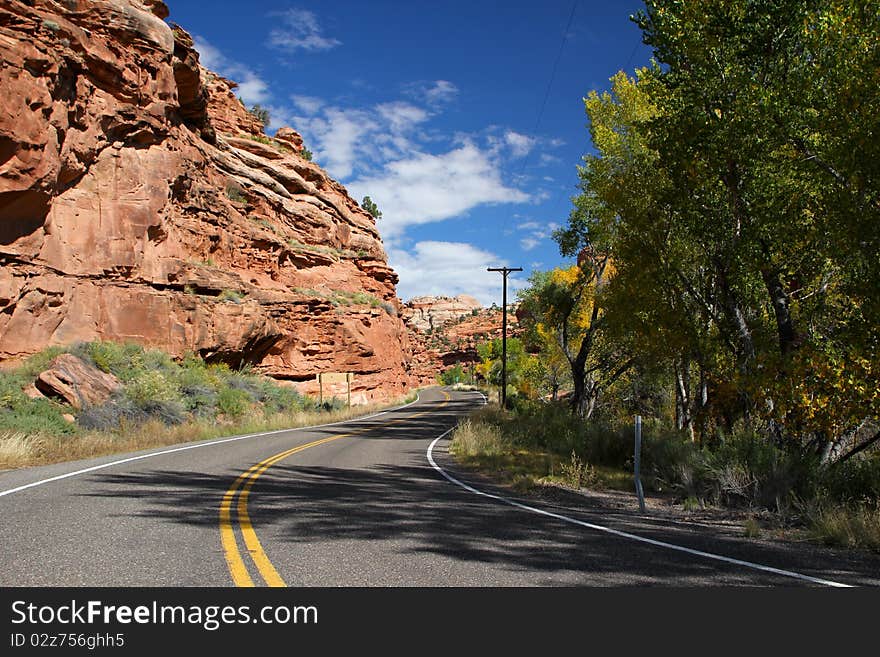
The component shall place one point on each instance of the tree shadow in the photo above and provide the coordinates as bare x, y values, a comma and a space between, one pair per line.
415, 512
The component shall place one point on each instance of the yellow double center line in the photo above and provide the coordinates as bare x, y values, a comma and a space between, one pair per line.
241, 488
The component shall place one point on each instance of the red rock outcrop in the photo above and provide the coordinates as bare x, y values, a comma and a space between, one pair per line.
456, 325
75, 382
427, 313
140, 200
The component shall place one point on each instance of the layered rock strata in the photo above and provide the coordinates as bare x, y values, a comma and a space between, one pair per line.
140, 200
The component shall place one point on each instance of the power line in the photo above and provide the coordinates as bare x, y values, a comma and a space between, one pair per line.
553, 71
555, 66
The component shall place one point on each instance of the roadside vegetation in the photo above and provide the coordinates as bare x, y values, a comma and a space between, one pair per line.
160, 402
727, 277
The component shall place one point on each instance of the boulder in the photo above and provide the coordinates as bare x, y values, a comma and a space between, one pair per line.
74, 381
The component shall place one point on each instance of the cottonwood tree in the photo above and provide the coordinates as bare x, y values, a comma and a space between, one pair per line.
566, 303
735, 188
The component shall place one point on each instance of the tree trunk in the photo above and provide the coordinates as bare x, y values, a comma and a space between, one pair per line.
683, 417
736, 319
579, 395
703, 403
779, 299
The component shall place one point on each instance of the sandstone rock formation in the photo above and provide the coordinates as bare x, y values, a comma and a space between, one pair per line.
140, 200
427, 313
453, 341
75, 382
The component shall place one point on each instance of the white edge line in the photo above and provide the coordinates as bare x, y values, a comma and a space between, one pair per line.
197, 446
615, 532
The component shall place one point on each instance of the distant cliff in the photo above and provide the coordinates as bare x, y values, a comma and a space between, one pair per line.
140, 200
427, 313
448, 330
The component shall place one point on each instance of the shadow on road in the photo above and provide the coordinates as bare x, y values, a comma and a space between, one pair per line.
417, 513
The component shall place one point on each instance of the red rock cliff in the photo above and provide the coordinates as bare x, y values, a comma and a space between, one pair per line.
139, 200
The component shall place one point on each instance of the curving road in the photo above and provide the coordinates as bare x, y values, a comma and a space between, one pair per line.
367, 502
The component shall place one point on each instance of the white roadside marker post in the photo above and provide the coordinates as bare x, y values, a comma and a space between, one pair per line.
637, 464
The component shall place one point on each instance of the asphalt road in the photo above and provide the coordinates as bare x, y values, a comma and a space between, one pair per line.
356, 504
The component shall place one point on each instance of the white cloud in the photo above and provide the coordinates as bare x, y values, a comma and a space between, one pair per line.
401, 116
300, 30
252, 88
450, 268
209, 56
424, 188
520, 145
433, 93
442, 91
307, 104
335, 137
536, 233
415, 175
528, 225
529, 243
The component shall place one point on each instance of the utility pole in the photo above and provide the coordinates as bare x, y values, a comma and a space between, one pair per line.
504, 271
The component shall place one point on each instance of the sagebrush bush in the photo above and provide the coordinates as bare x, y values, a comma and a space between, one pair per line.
155, 388
38, 416
280, 399
233, 401
21, 414
151, 386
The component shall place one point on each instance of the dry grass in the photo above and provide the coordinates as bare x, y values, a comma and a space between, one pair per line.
478, 443
475, 438
852, 526
18, 450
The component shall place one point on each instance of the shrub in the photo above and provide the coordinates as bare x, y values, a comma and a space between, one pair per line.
854, 481
455, 374
124, 361
39, 362
280, 399
233, 402
306, 154
235, 193
149, 387
120, 413
231, 295
21, 414
577, 473
261, 114
847, 525
247, 384
36, 416
474, 437
11, 390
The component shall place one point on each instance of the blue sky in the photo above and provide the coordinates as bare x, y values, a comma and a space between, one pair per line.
434, 110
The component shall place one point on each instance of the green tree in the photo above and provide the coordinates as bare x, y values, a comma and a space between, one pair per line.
491, 358
564, 306
368, 205
735, 187
261, 114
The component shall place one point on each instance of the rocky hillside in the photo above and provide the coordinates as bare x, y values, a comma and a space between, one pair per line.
139, 200
426, 313
448, 330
